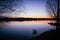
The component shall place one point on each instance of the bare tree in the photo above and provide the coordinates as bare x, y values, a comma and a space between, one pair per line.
52, 8
9, 6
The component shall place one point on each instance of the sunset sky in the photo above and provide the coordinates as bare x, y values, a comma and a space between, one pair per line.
35, 8
31, 9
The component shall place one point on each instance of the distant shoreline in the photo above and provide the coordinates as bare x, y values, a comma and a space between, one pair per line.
26, 19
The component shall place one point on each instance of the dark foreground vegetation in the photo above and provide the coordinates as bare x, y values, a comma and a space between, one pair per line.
49, 35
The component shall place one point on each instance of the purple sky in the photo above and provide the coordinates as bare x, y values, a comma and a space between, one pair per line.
34, 8
31, 8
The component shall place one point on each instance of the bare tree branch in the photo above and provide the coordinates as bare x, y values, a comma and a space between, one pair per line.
52, 8
9, 6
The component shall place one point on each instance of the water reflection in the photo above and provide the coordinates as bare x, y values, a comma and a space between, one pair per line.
24, 30
55, 23
2, 24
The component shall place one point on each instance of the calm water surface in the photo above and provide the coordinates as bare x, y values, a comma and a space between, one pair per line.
24, 29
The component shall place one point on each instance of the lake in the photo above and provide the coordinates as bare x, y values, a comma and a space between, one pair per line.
23, 30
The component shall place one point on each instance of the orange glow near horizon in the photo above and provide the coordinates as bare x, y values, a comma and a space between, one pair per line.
30, 16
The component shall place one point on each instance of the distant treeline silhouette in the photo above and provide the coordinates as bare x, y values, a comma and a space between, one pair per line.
26, 19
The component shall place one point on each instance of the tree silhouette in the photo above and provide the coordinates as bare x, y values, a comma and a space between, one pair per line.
52, 8
9, 6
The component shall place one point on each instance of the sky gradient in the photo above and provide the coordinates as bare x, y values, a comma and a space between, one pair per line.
35, 8
29, 8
